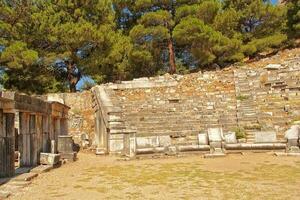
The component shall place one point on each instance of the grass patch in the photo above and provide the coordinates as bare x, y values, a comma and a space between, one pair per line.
242, 98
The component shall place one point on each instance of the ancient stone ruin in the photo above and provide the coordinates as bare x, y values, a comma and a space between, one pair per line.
239, 108
32, 127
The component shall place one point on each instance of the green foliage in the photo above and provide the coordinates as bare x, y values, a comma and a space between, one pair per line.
242, 98
293, 15
18, 55
207, 45
38, 33
112, 40
262, 44
240, 133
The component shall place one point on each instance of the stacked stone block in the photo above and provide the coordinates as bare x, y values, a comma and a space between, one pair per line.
180, 107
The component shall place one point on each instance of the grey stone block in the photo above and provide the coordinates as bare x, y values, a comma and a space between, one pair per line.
69, 156
292, 133
265, 137
164, 141
183, 148
100, 151
202, 139
230, 138
215, 134
49, 159
171, 151
220, 155
292, 142
294, 149
215, 144
286, 154
116, 145
147, 142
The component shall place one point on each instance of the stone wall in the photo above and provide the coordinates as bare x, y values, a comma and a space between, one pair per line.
81, 115
259, 96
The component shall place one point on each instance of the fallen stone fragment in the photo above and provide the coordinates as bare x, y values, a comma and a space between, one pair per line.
49, 159
41, 169
214, 155
273, 67
286, 154
26, 177
100, 151
19, 183
4, 194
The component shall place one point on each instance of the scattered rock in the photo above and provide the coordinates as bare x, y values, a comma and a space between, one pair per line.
273, 67
49, 159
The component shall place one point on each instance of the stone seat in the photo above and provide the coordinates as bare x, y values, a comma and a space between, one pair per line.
263, 140
160, 144
167, 132
246, 146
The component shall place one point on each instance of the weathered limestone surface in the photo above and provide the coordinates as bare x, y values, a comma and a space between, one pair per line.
265, 137
49, 159
261, 98
27, 124
81, 123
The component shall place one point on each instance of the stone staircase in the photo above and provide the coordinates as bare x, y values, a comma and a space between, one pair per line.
170, 107
251, 98
247, 114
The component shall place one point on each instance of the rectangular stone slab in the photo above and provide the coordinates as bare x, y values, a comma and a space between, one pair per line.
265, 137
214, 155
202, 139
49, 158
69, 156
215, 134
26, 177
164, 141
147, 142
41, 169
230, 138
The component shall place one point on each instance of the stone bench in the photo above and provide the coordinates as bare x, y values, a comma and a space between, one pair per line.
245, 146
264, 140
162, 144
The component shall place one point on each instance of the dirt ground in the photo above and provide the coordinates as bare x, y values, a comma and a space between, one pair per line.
251, 176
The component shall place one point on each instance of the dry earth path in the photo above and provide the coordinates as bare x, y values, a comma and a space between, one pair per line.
252, 176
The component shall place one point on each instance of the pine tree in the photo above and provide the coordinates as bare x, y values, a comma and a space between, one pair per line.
150, 24
42, 33
294, 18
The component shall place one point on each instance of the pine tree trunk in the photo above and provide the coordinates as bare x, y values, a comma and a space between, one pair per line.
172, 69
72, 87
72, 78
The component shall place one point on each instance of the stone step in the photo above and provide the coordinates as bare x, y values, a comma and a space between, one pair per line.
247, 115
164, 128
178, 124
171, 133
241, 110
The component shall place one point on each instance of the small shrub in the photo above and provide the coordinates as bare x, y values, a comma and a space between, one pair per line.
240, 133
241, 97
